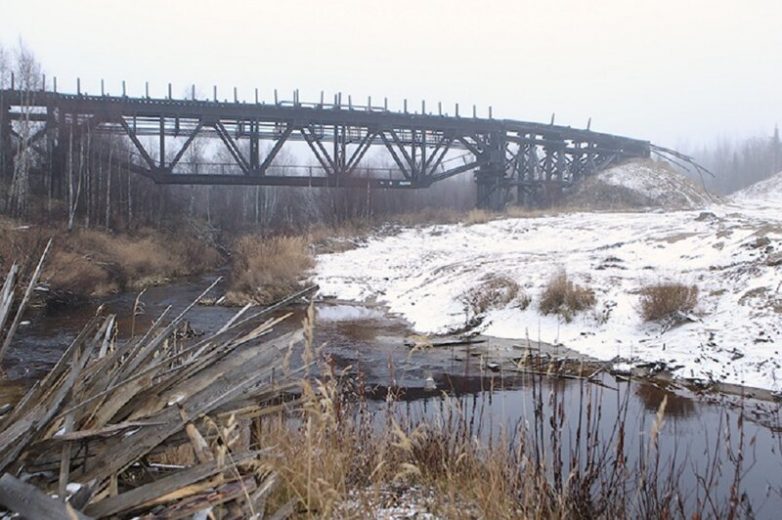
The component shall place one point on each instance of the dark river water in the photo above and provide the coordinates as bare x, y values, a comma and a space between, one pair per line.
431, 382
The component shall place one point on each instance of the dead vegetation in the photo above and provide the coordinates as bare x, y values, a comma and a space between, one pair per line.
342, 461
89, 263
666, 299
263, 270
565, 298
494, 292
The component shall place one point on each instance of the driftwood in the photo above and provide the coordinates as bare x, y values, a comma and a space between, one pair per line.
106, 407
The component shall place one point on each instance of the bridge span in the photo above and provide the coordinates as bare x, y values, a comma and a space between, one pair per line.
510, 159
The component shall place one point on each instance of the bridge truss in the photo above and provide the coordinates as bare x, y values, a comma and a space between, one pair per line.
510, 159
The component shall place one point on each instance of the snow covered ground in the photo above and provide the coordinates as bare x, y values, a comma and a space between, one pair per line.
731, 251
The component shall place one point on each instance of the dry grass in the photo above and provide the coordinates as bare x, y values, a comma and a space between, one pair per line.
337, 239
89, 262
338, 464
338, 460
565, 298
479, 216
427, 217
494, 292
264, 270
475, 216
664, 299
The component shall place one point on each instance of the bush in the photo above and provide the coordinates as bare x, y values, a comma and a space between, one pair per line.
565, 298
664, 299
494, 292
264, 270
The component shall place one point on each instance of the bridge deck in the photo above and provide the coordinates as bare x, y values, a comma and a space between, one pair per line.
503, 153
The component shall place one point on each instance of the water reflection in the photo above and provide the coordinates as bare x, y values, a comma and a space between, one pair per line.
651, 396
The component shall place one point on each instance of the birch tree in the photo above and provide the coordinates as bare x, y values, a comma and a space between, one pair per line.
27, 72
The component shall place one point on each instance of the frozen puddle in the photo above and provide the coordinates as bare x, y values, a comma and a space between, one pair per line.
731, 252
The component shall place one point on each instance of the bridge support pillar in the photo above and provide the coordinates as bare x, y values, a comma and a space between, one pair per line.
491, 194
490, 177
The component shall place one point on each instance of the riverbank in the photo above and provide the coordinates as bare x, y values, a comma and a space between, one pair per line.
728, 251
84, 264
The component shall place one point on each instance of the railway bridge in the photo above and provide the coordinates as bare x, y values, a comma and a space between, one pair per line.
510, 160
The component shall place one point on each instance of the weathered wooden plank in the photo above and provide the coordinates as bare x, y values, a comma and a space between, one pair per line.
224, 493
161, 487
7, 295
26, 298
45, 406
32, 503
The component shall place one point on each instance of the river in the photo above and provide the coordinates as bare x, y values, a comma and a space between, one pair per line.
372, 343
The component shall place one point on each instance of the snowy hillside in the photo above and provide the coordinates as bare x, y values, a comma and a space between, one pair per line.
639, 184
732, 253
768, 191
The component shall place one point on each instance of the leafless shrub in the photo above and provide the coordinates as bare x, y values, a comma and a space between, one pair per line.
664, 299
494, 292
565, 298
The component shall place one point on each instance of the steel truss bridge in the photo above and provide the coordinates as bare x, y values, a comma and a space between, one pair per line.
510, 159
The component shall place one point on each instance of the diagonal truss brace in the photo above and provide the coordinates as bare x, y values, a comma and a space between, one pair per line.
233, 148
185, 146
134, 139
275, 150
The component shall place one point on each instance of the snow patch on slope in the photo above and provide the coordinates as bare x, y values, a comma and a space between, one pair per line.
768, 191
639, 184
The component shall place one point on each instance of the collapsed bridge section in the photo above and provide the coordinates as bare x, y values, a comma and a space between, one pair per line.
510, 159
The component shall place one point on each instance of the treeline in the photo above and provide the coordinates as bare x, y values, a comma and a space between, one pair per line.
93, 190
739, 163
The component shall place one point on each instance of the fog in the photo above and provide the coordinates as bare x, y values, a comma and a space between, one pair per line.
678, 73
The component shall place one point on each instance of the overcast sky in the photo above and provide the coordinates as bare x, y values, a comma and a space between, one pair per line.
678, 72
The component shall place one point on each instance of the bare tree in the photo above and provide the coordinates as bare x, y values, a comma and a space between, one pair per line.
27, 73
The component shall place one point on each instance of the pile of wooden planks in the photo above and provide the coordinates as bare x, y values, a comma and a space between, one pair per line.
92, 428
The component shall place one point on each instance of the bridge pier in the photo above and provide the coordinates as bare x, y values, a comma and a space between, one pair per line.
491, 175
491, 192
